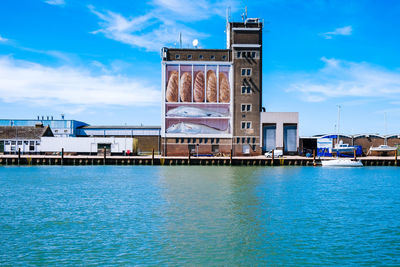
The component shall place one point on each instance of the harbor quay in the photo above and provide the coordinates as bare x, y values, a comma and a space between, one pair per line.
82, 160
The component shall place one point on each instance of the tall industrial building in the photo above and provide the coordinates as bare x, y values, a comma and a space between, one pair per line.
212, 98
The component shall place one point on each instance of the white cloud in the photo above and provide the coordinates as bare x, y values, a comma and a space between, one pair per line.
28, 82
3, 40
339, 78
55, 2
160, 26
347, 30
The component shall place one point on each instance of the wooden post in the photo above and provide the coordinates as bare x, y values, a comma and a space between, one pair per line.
273, 156
189, 158
355, 154
152, 157
62, 156
395, 157
104, 159
231, 157
19, 155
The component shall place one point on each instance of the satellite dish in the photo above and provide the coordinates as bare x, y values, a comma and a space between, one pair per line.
195, 42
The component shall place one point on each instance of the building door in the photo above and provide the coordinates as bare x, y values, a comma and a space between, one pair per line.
269, 137
290, 138
101, 147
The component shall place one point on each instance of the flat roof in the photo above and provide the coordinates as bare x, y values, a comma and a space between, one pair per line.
118, 127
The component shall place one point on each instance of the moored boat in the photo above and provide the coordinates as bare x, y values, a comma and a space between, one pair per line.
342, 162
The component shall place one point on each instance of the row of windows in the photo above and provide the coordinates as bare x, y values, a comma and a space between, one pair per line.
246, 72
246, 90
197, 140
20, 143
246, 54
244, 140
214, 148
246, 125
190, 57
246, 107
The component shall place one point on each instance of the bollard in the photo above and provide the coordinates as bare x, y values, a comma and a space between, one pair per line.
62, 156
273, 157
230, 159
152, 157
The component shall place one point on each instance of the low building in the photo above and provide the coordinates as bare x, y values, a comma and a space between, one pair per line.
87, 145
145, 138
26, 139
279, 130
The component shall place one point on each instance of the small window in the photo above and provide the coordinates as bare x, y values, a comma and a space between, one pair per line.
243, 108
13, 143
248, 90
253, 54
26, 142
189, 57
243, 140
246, 72
248, 140
238, 54
56, 131
212, 140
246, 107
248, 125
217, 140
223, 57
254, 140
205, 140
177, 56
182, 140
31, 143
31, 147
177, 140
65, 131
213, 57
248, 54
201, 57
19, 143
7, 142
243, 125
238, 140
200, 140
37, 143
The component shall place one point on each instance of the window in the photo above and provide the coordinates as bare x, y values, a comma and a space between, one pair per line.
212, 57
246, 125
177, 140
177, 56
200, 140
182, 140
189, 56
26, 142
217, 140
238, 140
31, 147
238, 54
19, 143
13, 143
37, 143
205, 140
201, 57
243, 140
246, 72
212, 140
248, 140
31, 143
248, 54
254, 140
253, 54
246, 107
246, 90
7, 142
223, 57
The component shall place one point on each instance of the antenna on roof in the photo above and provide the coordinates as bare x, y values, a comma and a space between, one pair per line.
244, 15
180, 40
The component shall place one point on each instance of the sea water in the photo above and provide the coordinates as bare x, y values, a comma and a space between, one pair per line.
144, 215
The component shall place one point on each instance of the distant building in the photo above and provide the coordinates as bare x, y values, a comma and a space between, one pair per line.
212, 98
60, 128
23, 138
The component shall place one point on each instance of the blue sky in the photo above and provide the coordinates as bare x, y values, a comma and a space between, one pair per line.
99, 61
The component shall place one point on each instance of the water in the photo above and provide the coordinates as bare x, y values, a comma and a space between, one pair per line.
199, 215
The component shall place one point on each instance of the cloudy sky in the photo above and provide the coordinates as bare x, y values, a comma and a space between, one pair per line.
99, 61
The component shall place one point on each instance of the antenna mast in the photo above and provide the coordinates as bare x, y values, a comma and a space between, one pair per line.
180, 39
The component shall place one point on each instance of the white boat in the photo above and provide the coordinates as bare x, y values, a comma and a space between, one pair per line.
342, 162
383, 148
343, 148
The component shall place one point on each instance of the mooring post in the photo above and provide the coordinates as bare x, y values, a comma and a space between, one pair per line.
273, 156
230, 158
19, 155
152, 157
355, 154
62, 156
104, 155
189, 158
395, 157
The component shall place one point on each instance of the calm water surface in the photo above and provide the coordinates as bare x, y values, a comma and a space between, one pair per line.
199, 215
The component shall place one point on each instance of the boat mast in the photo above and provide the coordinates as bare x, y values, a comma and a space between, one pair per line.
338, 126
